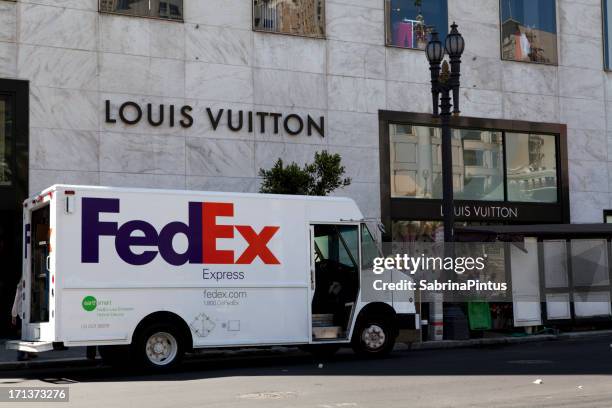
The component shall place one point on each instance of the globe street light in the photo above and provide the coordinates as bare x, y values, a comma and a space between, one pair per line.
444, 82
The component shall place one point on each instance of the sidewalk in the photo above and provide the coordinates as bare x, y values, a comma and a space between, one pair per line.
75, 357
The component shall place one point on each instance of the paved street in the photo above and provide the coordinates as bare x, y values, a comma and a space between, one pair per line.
575, 373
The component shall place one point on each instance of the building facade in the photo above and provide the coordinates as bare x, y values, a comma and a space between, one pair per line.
202, 94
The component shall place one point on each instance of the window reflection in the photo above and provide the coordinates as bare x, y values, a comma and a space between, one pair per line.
165, 9
409, 22
416, 163
532, 168
297, 17
529, 31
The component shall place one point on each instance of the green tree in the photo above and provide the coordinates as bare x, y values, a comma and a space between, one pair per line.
319, 178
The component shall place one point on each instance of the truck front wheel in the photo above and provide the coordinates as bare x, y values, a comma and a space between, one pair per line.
373, 337
159, 346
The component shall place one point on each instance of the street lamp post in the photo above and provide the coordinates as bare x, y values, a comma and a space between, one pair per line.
444, 83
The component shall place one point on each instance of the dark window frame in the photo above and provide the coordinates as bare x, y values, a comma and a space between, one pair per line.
115, 13
501, 40
418, 209
311, 36
605, 28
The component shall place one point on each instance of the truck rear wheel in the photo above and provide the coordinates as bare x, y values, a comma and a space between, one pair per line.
159, 346
373, 337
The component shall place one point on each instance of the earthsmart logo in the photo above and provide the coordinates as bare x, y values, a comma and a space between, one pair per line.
89, 303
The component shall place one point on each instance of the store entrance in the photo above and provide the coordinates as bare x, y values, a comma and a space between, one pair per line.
11, 268
13, 190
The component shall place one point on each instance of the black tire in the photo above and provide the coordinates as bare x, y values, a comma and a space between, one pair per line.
373, 337
116, 356
158, 347
321, 350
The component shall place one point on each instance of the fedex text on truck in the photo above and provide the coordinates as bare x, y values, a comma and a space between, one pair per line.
202, 232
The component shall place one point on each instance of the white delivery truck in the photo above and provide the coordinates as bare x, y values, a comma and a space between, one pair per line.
151, 274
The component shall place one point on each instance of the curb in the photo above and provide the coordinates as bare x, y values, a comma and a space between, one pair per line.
250, 353
448, 344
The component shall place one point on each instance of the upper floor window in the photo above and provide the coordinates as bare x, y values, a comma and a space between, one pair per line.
165, 9
529, 31
295, 17
409, 22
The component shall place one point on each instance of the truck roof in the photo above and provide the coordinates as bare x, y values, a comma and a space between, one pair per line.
75, 187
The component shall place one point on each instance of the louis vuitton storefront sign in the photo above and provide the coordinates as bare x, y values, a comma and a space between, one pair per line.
133, 113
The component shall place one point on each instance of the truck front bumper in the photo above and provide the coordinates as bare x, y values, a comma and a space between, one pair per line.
29, 346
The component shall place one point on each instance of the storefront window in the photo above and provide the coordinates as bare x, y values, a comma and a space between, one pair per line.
483, 175
529, 31
531, 168
409, 22
6, 142
416, 169
417, 231
166, 9
296, 17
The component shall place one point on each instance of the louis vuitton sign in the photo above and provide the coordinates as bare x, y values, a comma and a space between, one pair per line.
133, 113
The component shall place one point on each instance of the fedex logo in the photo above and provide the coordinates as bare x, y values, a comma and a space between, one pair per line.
202, 232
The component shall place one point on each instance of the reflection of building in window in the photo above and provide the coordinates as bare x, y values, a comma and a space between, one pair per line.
532, 169
299, 17
521, 43
416, 163
166, 9
409, 22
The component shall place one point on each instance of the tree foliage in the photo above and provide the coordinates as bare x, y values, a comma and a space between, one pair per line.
319, 178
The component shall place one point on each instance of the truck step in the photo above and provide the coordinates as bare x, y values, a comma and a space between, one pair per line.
319, 320
329, 332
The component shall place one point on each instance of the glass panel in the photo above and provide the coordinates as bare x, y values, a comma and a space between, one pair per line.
417, 231
590, 262
590, 304
409, 22
555, 264
529, 31
416, 158
169, 9
532, 167
131, 7
6, 141
558, 306
607, 17
369, 248
330, 243
483, 173
298, 17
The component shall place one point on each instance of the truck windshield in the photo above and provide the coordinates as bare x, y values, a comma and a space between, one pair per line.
369, 248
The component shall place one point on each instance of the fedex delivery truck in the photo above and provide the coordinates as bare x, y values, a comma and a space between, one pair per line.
151, 274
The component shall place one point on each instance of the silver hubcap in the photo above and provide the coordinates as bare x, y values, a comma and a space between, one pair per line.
373, 337
161, 348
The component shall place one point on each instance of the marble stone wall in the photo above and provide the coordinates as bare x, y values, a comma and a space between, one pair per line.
76, 58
